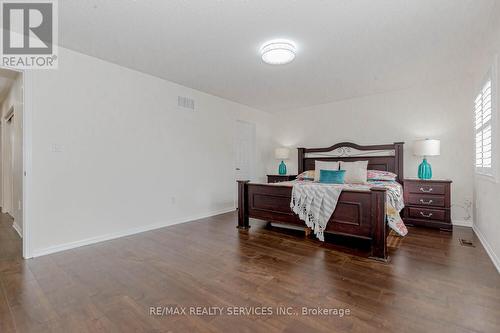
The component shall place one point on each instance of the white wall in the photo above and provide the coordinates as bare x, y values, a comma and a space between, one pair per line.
487, 190
436, 111
12, 202
129, 159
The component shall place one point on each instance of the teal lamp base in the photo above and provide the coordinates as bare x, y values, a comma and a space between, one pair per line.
282, 168
424, 170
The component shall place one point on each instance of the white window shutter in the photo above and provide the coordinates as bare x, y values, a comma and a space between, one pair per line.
484, 127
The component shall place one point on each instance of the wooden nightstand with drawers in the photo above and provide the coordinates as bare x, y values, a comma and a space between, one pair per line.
428, 203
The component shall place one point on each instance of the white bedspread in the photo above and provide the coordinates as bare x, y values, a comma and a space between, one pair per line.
314, 203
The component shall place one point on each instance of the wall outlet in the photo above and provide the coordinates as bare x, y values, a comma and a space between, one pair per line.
173, 200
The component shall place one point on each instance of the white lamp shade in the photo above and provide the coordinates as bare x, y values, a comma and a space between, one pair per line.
281, 153
427, 147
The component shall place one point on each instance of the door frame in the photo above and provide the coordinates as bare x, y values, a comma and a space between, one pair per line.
27, 84
8, 142
27, 146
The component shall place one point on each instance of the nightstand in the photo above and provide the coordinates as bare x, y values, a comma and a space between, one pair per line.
280, 178
428, 203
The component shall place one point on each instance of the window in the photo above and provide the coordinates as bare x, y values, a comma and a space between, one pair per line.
484, 129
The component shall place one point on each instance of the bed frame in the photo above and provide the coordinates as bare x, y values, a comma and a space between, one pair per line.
359, 214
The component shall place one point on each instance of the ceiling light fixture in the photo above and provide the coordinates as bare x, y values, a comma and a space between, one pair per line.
278, 51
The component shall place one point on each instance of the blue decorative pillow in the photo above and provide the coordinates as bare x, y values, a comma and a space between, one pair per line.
331, 176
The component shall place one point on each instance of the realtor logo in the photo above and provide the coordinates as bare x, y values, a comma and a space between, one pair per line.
29, 34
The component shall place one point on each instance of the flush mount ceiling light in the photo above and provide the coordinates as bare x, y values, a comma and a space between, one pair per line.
278, 51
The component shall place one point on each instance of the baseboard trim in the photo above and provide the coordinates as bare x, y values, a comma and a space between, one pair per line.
119, 234
487, 247
463, 223
18, 229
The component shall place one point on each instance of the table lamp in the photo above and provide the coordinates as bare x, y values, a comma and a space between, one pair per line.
282, 154
424, 148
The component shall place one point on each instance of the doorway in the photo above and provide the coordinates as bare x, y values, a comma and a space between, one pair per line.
12, 156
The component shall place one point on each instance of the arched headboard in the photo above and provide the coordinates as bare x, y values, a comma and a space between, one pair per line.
380, 157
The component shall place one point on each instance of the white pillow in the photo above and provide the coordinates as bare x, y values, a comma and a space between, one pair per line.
355, 172
323, 165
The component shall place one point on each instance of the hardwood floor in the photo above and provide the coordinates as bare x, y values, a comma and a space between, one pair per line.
432, 284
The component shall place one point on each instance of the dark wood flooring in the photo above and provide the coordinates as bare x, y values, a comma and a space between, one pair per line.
432, 284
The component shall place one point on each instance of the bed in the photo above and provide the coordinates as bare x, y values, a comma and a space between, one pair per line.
360, 213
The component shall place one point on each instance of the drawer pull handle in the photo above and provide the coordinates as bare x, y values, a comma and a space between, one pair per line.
426, 191
425, 215
426, 202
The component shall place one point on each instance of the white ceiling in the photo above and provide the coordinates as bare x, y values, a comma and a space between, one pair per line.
347, 48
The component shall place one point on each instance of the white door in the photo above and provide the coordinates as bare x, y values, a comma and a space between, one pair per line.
244, 150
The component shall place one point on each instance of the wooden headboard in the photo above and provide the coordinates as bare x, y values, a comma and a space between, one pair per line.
380, 157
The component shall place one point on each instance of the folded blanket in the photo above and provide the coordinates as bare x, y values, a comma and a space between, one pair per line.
314, 204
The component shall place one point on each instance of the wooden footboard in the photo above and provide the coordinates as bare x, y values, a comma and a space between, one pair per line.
358, 214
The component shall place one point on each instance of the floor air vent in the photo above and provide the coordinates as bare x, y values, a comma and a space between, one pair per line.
466, 242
